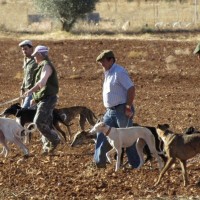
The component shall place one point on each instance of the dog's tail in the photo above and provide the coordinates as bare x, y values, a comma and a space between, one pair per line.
27, 130
30, 128
61, 118
91, 117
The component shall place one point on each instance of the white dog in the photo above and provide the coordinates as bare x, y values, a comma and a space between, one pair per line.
10, 131
125, 137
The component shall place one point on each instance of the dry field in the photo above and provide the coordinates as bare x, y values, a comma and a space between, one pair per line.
166, 75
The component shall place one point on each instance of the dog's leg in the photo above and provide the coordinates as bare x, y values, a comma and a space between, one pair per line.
140, 143
82, 121
151, 144
108, 155
119, 152
169, 163
159, 160
4, 144
25, 137
5, 149
91, 118
64, 120
60, 133
148, 155
18, 142
69, 131
57, 127
184, 172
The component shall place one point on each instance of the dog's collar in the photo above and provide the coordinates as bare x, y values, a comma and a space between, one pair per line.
107, 133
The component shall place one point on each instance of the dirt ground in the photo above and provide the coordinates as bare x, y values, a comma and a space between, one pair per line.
166, 75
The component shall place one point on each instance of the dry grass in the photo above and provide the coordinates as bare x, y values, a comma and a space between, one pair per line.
143, 16
114, 16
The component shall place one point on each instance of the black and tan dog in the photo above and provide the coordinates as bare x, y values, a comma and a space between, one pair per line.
178, 146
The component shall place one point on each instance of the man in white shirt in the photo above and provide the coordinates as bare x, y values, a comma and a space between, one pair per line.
118, 96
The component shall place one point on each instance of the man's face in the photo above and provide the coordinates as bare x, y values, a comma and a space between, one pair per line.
106, 64
38, 57
27, 51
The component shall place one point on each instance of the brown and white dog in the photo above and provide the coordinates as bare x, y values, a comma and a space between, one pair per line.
10, 131
125, 137
178, 146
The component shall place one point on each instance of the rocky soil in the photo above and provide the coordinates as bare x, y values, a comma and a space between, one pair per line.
166, 75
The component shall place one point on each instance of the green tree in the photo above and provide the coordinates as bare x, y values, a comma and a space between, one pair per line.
67, 11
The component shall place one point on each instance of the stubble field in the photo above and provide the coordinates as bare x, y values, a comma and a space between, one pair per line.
166, 75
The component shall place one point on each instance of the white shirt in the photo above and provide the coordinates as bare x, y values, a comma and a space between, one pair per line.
115, 86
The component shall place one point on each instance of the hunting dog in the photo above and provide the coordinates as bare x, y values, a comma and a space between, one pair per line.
82, 136
66, 115
25, 115
144, 147
191, 130
10, 131
125, 137
159, 145
60, 115
178, 146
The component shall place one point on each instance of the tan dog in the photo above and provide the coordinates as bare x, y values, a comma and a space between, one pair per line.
68, 114
178, 146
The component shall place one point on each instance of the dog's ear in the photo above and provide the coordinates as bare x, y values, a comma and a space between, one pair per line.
166, 126
163, 126
16, 105
189, 130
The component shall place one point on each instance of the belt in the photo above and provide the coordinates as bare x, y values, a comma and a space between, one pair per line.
115, 107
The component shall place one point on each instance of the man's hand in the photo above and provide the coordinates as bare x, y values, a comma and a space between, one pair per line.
32, 103
128, 112
21, 92
26, 94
